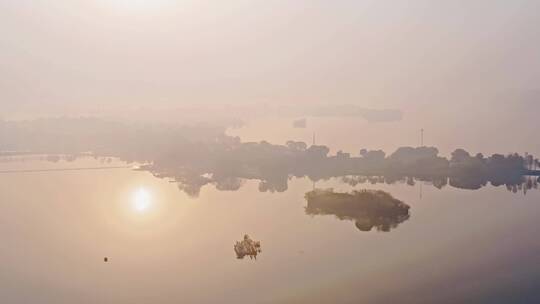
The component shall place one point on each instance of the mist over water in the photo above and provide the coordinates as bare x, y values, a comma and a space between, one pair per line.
269, 151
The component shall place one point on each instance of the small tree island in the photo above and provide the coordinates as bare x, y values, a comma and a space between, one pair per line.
368, 208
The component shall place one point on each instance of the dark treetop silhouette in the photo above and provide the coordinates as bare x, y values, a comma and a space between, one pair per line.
200, 155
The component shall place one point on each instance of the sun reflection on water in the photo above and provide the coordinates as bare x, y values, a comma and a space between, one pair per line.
142, 200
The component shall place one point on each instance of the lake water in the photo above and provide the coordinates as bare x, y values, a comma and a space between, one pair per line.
479, 246
163, 246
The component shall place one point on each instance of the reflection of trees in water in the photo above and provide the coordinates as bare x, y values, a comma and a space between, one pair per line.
514, 183
274, 165
194, 157
367, 208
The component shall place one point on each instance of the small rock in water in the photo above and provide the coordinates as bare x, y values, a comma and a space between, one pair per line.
247, 247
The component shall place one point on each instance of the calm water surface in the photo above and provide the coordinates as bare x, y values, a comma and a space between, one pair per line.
459, 246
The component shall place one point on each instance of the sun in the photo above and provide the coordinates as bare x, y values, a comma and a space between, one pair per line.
142, 200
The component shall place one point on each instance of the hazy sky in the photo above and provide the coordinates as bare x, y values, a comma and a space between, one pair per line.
373, 53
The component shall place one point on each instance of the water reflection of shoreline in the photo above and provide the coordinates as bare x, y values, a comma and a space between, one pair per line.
515, 184
231, 176
274, 165
193, 157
